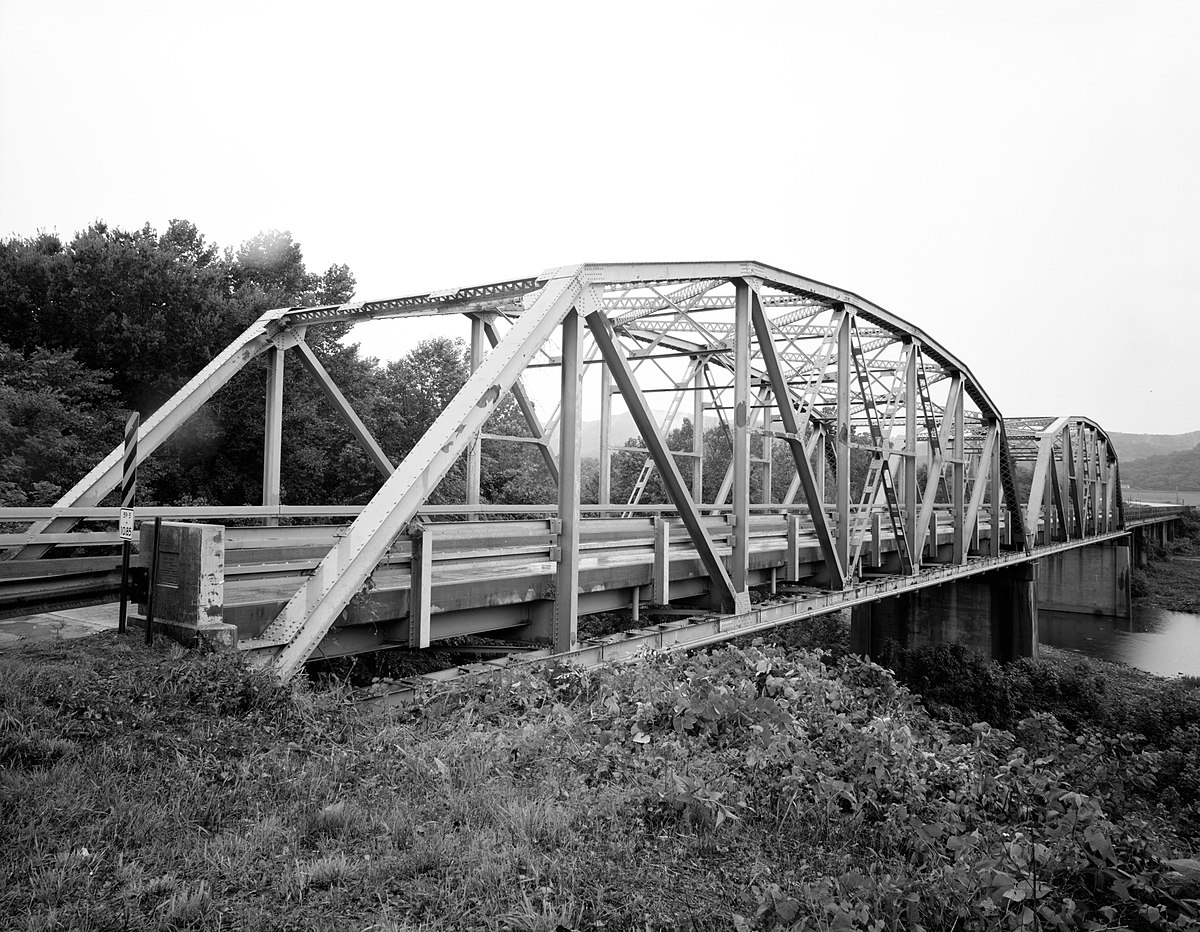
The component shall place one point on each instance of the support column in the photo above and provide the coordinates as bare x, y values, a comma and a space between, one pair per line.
566, 598
845, 366
273, 430
475, 451
911, 503
996, 493
1090, 580
1015, 612
605, 490
820, 467
872, 624
740, 561
698, 433
958, 448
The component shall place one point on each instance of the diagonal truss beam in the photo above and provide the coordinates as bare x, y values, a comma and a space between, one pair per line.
981, 483
770, 358
933, 478
614, 358
311, 612
334, 395
159, 427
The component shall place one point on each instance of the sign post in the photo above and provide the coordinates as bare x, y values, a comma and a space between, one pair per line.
128, 490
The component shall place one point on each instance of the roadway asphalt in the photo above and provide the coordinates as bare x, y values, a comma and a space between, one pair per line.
66, 623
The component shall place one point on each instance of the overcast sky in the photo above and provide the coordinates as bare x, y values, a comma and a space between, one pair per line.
1019, 179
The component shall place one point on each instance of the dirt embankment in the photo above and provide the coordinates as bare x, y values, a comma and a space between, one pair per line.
1171, 578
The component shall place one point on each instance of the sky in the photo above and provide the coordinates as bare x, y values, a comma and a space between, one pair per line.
1019, 179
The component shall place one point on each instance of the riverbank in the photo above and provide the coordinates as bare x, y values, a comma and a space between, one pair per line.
746, 788
1171, 578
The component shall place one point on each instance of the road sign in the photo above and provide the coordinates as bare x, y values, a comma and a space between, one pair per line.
126, 524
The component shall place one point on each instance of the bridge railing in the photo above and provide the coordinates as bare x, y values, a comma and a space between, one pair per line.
1152, 513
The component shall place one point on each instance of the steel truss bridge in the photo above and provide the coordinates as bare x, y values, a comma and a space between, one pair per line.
902, 474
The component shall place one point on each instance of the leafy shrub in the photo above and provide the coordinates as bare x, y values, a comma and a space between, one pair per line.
1139, 586
954, 680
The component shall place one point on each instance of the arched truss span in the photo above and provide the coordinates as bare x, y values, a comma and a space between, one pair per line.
1075, 485
833, 410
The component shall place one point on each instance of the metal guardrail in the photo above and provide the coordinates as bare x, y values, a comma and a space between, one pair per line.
1137, 513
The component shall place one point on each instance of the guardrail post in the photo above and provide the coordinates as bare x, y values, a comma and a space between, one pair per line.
661, 580
420, 590
791, 569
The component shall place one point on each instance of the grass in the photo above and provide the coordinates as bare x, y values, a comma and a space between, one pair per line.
743, 787
1171, 579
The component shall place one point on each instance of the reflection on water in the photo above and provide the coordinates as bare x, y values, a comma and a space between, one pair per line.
1157, 640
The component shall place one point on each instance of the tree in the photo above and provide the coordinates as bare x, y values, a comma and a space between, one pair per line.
54, 414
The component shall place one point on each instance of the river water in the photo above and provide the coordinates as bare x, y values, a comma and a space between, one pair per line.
1156, 640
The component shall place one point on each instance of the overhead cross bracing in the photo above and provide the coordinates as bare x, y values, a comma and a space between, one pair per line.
858, 433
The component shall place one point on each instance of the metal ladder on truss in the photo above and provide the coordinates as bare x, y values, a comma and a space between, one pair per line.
643, 479
879, 472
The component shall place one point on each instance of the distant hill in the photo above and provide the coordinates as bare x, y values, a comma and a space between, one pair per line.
1132, 447
1170, 471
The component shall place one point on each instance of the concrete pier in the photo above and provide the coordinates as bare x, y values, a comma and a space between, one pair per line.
992, 613
1089, 580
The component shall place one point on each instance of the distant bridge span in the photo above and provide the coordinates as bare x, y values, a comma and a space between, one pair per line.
902, 476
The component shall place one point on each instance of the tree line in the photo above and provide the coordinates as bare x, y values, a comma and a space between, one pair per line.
115, 320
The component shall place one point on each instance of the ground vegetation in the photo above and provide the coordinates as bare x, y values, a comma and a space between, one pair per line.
751, 787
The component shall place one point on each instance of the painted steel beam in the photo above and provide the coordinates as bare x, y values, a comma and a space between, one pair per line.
800, 456
932, 480
566, 594
722, 586
475, 450
289, 640
958, 473
911, 501
741, 437
342, 405
273, 428
841, 497
604, 491
981, 482
697, 431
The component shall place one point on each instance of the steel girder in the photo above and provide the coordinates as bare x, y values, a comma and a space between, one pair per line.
845, 380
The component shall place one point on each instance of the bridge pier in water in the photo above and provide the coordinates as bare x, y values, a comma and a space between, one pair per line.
1088, 580
993, 613
996, 613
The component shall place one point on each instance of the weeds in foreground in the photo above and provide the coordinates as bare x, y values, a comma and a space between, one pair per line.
757, 787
